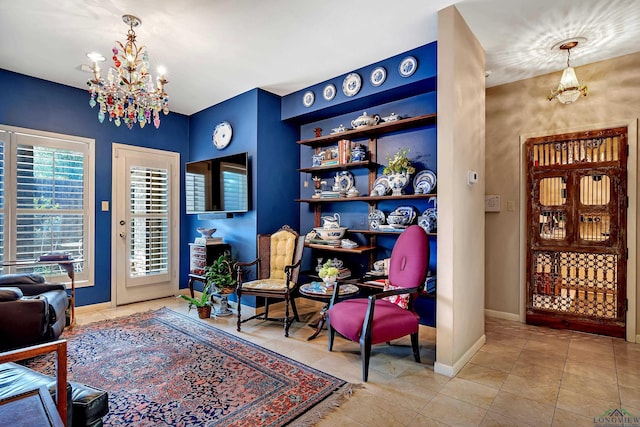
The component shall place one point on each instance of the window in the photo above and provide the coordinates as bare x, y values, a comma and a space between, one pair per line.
46, 200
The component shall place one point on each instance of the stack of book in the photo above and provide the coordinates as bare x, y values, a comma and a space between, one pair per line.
344, 151
208, 240
55, 256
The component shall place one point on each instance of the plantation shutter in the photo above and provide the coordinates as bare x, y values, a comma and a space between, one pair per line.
50, 201
149, 210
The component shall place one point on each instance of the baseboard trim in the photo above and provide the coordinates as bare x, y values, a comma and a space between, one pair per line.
502, 315
452, 371
92, 307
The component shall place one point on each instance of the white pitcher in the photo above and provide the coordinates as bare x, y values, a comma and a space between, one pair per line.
331, 221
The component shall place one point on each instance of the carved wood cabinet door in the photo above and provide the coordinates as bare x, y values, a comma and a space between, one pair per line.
576, 231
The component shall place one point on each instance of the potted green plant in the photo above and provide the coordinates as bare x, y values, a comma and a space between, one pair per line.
328, 273
202, 303
398, 171
221, 276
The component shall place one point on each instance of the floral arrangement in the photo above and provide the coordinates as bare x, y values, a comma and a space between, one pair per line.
399, 163
327, 270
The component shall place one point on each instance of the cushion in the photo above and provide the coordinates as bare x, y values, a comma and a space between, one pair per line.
401, 301
10, 294
389, 321
25, 278
283, 244
266, 285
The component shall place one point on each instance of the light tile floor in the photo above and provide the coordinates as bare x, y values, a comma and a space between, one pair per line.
522, 376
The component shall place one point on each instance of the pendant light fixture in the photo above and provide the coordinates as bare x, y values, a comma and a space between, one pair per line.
569, 89
129, 94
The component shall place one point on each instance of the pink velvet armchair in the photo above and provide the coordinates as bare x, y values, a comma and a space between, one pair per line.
375, 319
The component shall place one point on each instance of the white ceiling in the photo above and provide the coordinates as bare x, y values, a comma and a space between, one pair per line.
214, 50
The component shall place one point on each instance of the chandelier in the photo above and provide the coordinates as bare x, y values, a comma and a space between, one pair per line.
569, 89
129, 94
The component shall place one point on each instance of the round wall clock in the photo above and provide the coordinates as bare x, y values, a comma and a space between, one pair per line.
408, 66
351, 84
308, 98
222, 135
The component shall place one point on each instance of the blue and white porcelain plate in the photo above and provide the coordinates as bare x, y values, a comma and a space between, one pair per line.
308, 98
408, 66
380, 186
424, 182
345, 180
329, 92
351, 84
378, 76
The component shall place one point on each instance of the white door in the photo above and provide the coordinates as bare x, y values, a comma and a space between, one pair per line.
145, 223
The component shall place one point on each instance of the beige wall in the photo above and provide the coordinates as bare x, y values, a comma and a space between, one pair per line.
518, 110
461, 122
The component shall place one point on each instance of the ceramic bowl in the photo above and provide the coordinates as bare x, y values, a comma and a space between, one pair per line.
330, 233
206, 232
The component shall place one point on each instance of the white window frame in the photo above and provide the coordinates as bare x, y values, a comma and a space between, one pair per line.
65, 142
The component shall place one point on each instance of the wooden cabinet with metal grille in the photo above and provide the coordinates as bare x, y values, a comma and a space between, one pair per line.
576, 231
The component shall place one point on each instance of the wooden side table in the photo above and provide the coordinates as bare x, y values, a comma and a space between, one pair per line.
318, 292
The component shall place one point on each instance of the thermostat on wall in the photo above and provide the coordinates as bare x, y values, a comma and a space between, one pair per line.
492, 203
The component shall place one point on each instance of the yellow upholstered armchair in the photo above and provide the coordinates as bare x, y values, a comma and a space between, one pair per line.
277, 268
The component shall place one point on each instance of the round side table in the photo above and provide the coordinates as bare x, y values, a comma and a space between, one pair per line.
317, 291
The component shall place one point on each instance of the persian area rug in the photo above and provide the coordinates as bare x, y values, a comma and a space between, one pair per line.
163, 368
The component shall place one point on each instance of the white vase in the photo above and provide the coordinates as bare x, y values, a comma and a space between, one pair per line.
329, 281
398, 181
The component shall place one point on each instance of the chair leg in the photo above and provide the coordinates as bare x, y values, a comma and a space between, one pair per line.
415, 346
365, 353
239, 305
331, 334
295, 309
287, 323
266, 307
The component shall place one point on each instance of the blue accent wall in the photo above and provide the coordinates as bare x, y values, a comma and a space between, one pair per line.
273, 158
42, 105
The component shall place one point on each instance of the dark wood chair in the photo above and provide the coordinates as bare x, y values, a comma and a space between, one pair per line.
277, 267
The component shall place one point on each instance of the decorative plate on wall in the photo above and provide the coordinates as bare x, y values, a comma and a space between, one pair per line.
408, 66
308, 98
351, 84
378, 76
222, 135
329, 92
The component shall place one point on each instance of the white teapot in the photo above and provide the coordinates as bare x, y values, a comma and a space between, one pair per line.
365, 120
